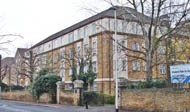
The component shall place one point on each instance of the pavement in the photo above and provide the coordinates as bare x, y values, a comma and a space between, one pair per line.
18, 106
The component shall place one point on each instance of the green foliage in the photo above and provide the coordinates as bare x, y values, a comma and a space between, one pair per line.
94, 98
74, 73
42, 73
88, 77
108, 99
16, 87
46, 83
147, 84
4, 87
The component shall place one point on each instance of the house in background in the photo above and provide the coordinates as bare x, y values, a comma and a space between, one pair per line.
8, 71
20, 66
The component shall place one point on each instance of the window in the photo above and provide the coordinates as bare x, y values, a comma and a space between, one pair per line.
94, 66
63, 74
78, 51
86, 31
62, 54
93, 28
78, 69
95, 86
79, 33
86, 68
70, 37
94, 46
145, 66
135, 46
70, 54
124, 26
123, 45
44, 59
85, 48
162, 68
136, 66
55, 58
124, 65
143, 44
161, 50
70, 71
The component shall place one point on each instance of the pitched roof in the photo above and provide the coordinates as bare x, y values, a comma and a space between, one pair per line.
130, 14
7, 61
21, 51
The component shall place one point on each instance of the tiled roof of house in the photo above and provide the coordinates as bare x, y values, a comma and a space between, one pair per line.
130, 14
7, 61
22, 51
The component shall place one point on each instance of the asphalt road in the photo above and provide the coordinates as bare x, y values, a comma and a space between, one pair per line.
14, 106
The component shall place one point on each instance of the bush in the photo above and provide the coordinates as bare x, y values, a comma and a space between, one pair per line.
46, 84
4, 87
94, 98
16, 87
151, 84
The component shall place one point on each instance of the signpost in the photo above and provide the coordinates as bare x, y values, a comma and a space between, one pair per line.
180, 73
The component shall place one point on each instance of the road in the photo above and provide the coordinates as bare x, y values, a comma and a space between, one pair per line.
15, 106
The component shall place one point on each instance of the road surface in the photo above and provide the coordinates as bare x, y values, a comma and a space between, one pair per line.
14, 106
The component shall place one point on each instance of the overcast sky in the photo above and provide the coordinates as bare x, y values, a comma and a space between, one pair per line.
35, 20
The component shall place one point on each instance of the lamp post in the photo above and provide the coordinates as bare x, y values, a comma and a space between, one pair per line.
116, 59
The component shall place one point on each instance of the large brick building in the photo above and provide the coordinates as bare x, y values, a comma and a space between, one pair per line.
96, 33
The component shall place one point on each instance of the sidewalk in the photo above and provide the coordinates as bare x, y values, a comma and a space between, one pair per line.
69, 107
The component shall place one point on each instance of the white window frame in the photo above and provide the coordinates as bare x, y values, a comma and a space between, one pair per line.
62, 54
70, 71
136, 66
94, 66
94, 48
70, 55
79, 51
124, 65
161, 50
135, 46
43, 62
162, 69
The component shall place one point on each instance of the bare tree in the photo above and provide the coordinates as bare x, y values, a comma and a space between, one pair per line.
159, 21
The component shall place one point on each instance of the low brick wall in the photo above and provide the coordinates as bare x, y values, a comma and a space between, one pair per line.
67, 97
164, 100
24, 96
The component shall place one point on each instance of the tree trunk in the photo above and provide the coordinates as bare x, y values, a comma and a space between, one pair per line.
149, 66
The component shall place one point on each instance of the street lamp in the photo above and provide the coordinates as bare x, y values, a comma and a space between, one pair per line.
116, 58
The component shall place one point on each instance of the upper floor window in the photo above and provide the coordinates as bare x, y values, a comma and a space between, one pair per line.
62, 54
123, 44
136, 66
161, 50
78, 51
43, 59
94, 66
94, 47
86, 31
135, 45
79, 33
93, 28
94, 86
124, 26
70, 71
162, 69
70, 55
145, 66
71, 37
55, 58
85, 49
124, 65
